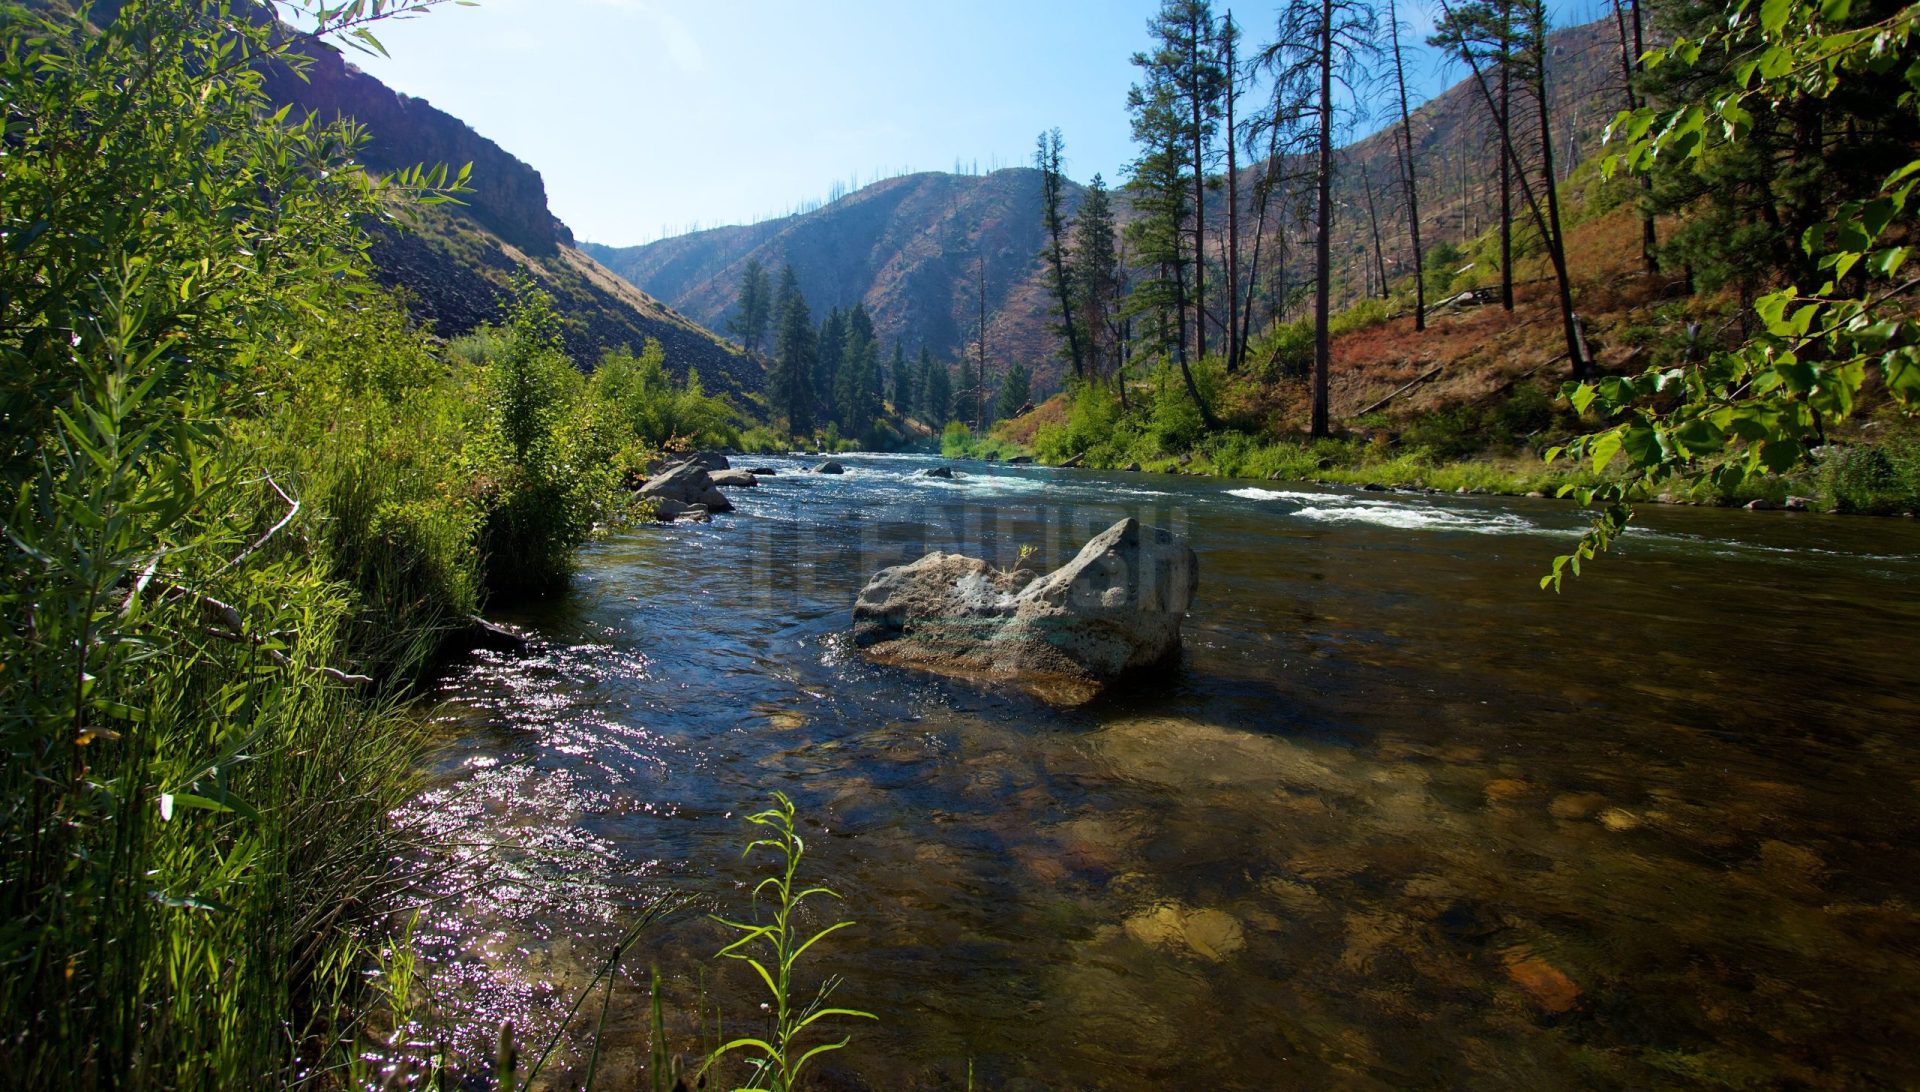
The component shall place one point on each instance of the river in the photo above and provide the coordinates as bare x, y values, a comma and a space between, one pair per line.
1398, 819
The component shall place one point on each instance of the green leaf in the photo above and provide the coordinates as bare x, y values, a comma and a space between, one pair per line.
1775, 16
1603, 449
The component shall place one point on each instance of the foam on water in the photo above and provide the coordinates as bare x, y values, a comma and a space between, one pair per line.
1411, 518
1257, 493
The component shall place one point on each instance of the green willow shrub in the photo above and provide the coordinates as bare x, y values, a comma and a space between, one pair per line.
196, 793
658, 413
555, 455
373, 429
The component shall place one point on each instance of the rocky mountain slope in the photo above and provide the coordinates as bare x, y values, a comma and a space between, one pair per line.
455, 262
909, 247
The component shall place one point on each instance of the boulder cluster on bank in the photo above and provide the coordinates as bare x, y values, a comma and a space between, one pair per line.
687, 488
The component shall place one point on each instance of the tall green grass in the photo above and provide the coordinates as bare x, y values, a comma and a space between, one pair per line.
240, 501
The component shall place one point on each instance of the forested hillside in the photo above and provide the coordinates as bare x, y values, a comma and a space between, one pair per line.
909, 249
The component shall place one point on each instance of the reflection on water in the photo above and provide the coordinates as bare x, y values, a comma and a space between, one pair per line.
1399, 819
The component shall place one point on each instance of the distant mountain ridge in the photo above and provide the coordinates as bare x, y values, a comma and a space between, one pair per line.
907, 247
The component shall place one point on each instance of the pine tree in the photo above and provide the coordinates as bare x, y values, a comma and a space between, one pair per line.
1047, 158
856, 385
826, 369
1174, 122
756, 306
936, 391
1096, 278
1519, 30
966, 393
790, 385
1014, 391
1409, 173
902, 381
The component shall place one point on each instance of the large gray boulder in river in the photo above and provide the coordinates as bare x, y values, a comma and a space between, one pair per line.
1115, 608
732, 478
688, 483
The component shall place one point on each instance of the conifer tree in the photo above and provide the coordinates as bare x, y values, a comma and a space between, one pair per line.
1096, 278
1014, 391
1173, 123
1409, 174
1047, 157
966, 393
832, 340
791, 383
902, 381
749, 322
935, 402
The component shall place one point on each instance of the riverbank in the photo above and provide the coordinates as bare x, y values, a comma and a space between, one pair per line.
1875, 471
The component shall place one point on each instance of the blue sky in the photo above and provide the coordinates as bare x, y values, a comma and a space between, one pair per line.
652, 116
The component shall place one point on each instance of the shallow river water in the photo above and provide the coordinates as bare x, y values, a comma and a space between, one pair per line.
1399, 819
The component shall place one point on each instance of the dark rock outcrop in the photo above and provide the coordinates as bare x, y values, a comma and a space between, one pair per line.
829, 467
1115, 608
938, 472
687, 484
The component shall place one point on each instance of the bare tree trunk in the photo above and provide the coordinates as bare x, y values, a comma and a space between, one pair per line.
980, 373
1548, 223
1259, 235
1199, 202
1322, 258
1234, 348
1373, 222
1630, 51
1408, 178
1556, 239
1186, 372
1508, 163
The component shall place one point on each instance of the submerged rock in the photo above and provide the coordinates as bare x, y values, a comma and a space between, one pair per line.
938, 472
763, 472
1212, 935
1546, 984
1115, 608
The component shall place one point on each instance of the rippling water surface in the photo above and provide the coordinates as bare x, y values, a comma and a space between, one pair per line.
1398, 819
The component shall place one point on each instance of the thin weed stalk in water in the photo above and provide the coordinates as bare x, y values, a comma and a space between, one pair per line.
773, 949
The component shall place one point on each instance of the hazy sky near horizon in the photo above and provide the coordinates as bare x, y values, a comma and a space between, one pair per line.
649, 117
